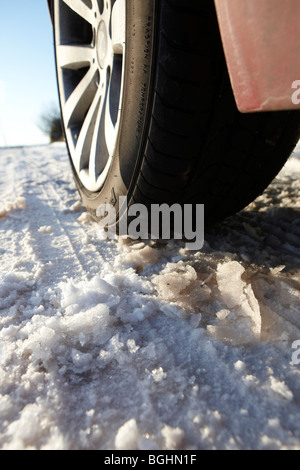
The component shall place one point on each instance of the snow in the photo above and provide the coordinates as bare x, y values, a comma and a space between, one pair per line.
115, 344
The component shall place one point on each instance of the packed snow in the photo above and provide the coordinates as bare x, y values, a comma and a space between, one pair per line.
120, 344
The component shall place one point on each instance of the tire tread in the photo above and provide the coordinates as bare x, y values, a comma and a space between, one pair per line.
200, 149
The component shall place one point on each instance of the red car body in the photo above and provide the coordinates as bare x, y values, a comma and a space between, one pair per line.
261, 40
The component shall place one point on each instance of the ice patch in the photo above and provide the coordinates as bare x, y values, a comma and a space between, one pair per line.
281, 389
243, 323
85, 295
174, 437
179, 283
127, 436
45, 229
8, 206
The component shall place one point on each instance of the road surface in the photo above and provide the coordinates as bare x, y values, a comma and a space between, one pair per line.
108, 344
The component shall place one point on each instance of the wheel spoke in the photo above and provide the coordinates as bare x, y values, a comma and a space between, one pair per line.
98, 6
109, 128
99, 153
80, 99
118, 26
95, 155
81, 9
88, 130
74, 57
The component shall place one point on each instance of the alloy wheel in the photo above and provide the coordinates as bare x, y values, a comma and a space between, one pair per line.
90, 58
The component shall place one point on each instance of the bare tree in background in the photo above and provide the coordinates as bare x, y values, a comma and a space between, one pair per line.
50, 124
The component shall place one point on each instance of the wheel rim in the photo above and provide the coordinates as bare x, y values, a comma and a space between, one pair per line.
90, 57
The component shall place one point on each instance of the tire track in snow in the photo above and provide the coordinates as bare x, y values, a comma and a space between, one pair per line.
67, 235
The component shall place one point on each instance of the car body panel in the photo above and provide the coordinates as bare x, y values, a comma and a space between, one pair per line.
261, 40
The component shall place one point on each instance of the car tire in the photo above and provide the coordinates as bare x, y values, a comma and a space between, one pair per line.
148, 111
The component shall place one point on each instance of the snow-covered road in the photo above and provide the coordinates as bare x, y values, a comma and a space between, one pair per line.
126, 345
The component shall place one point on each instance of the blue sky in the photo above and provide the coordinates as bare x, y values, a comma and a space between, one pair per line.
27, 71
